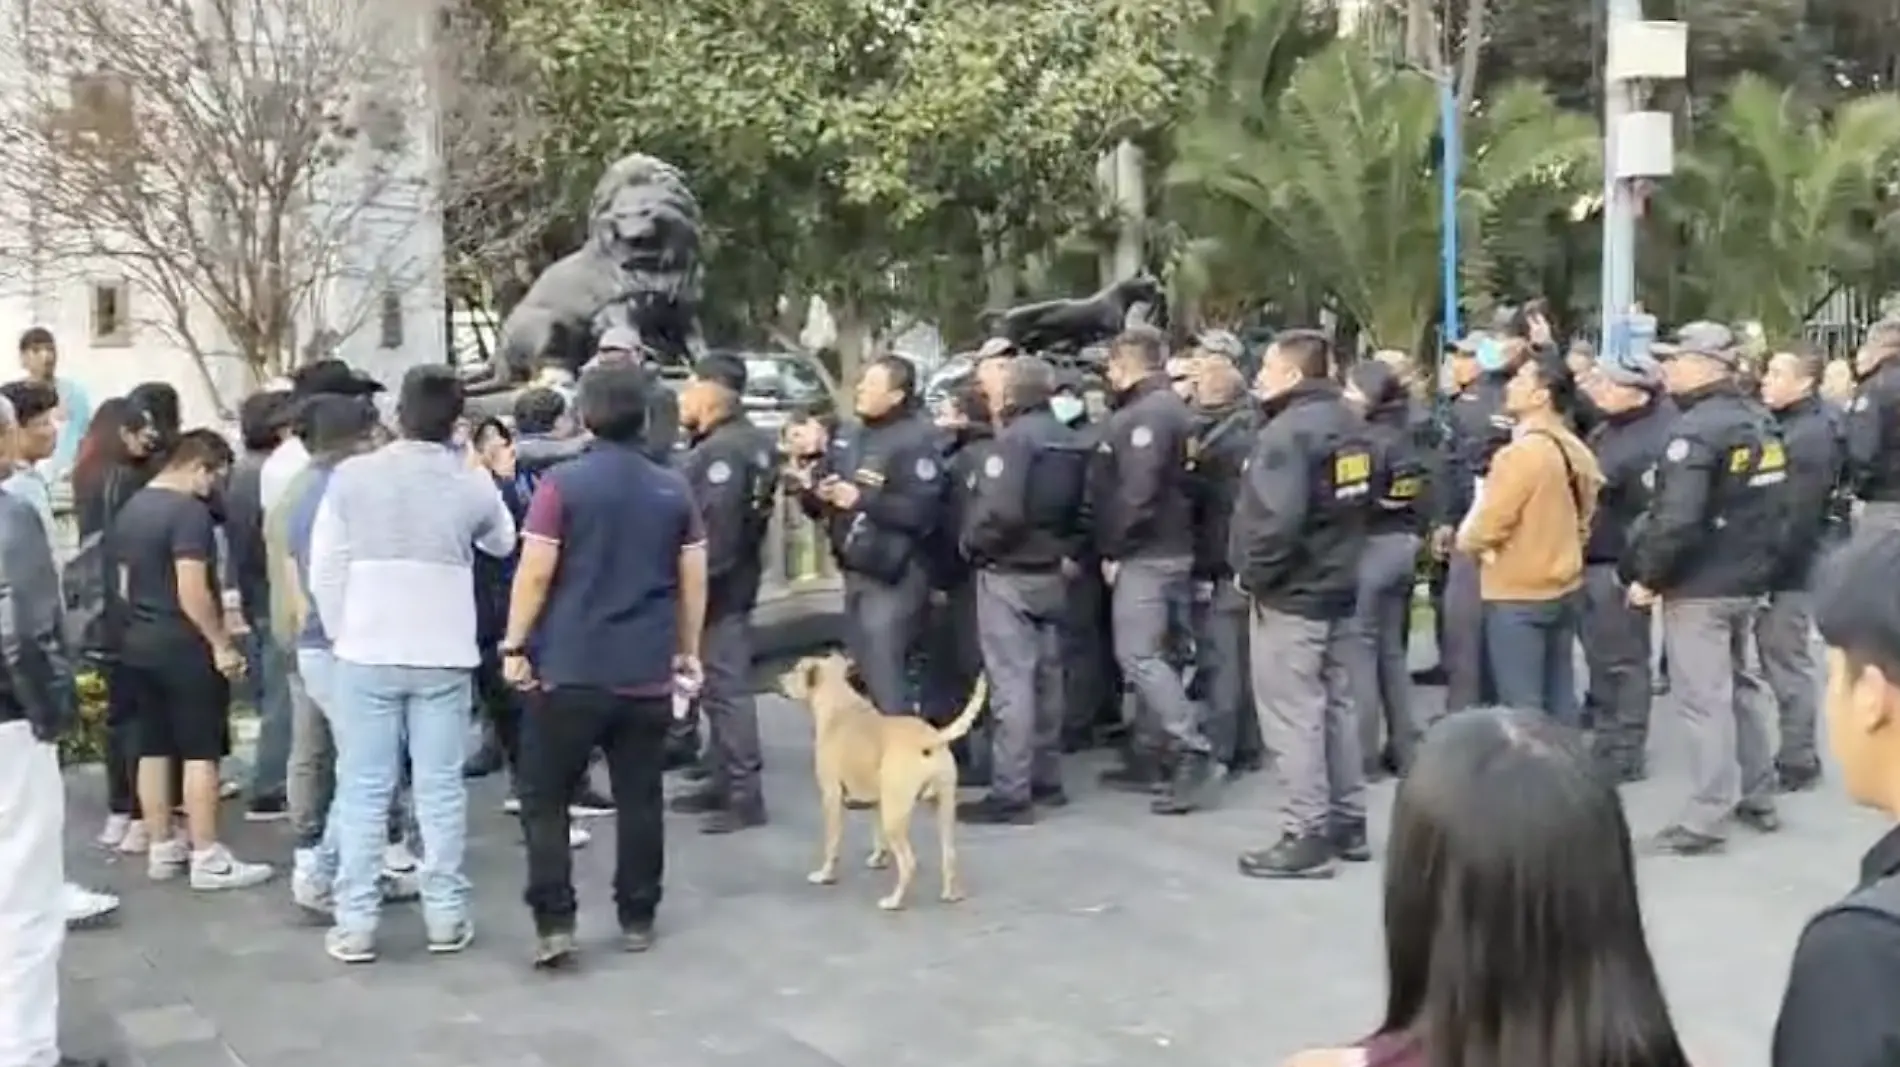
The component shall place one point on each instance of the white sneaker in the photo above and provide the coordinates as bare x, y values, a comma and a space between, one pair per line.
216, 868
577, 837
135, 840
398, 859
229, 788
114, 830
309, 888
166, 860
85, 908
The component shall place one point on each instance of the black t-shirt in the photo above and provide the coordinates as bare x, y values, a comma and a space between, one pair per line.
152, 532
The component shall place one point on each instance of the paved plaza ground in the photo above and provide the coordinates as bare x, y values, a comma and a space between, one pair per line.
1103, 937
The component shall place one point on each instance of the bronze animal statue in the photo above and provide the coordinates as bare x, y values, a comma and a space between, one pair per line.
1069, 326
639, 270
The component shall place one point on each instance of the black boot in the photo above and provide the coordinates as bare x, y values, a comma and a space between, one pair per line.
1349, 841
701, 801
992, 810
734, 817
1191, 787
1295, 856
1140, 772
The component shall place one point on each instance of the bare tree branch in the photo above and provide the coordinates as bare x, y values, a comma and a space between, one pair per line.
251, 167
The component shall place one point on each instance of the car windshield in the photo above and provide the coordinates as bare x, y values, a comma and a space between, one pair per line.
782, 379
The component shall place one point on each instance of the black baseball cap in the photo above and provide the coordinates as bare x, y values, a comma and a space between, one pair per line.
331, 377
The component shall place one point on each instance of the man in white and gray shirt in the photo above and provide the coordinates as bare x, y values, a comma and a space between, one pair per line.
391, 557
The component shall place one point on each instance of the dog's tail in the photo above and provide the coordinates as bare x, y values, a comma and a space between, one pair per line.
965, 719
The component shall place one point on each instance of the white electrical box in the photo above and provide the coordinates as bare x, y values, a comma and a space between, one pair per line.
1648, 51
1645, 145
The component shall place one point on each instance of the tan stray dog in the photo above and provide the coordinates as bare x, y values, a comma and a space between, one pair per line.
890, 761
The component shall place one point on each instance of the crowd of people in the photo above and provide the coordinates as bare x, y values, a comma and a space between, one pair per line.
1216, 578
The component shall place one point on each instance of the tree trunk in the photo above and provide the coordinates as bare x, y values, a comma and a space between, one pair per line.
856, 334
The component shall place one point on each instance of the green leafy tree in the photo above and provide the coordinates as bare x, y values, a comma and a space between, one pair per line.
873, 153
1345, 178
1774, 205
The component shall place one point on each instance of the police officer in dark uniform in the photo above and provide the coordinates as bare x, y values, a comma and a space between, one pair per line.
1475, 429
1633, 421
1092, 705
732, 468
880, 496
1784, 628
1299, 531
1708, 548
952, 658
1873, 426
1226, 422
1381, 683
1022, 532
1144, 535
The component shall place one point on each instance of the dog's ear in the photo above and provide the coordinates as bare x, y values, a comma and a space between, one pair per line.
799, 682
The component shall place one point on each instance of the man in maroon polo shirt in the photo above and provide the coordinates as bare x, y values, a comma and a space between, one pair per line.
604, 622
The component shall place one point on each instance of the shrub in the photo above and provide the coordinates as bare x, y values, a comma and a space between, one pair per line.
86, 741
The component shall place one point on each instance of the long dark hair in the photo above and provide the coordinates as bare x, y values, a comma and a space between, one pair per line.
103, 446
1387, 398
1513, 931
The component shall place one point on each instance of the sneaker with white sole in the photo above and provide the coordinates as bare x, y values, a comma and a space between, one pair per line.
577, 837
310, 885
398, 858
166, 860
215, 868
86, 908
114, 831
345, 946
453, 937
135, 841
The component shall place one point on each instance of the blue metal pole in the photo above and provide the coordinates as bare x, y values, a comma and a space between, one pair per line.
1451, 156
1619, 204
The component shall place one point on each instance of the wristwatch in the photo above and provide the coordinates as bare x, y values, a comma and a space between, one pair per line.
511, 651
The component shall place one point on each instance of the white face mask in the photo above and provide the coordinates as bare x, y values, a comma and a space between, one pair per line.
1066, 408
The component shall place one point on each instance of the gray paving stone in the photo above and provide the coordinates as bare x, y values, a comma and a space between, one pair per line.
1103, 937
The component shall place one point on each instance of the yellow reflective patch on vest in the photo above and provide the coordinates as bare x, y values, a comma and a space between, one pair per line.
867, 476
1773, 457
1740, 460
1351, 467
1403, 488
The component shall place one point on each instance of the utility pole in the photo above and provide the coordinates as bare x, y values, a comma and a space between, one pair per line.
1637, 144
1451, 155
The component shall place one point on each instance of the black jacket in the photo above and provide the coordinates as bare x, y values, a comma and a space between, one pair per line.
1138, 482
1299, 526
244, 536
1026, 511
733, 470
1628, 446
1873, 434
1812, 432
36, 670
1401, 490
1716, 525
897, 467
1222, 440
963, 451
1474, 431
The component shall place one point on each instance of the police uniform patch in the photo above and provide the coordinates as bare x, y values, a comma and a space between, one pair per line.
1142, 437
1649, 478
993, 467
926, 469
1678, 450
1860, 403
719, 473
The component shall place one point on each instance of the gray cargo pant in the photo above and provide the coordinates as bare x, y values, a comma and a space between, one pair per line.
1381, 681
1466, 679
1302, 691
882, 621
1724, 709
1019, 625
1784, 641
1150, 596
1222, 673
732, 717
1616, 640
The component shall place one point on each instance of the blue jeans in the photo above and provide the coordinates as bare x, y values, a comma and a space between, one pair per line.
1531, 648
268, 688
373, 711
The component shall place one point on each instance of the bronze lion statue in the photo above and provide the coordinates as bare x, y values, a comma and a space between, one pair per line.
639, 270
